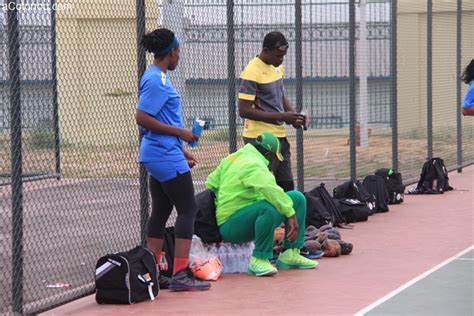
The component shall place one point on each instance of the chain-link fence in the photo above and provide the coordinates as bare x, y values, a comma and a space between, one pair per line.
71, 188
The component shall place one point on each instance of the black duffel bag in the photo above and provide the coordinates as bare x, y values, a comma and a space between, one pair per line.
126, 277
353, 210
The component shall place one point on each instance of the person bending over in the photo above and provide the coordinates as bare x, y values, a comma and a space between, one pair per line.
250, 205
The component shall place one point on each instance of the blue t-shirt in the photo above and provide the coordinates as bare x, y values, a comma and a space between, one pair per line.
469, 97
158, 98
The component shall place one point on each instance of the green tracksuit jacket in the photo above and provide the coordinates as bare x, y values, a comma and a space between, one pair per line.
242, 179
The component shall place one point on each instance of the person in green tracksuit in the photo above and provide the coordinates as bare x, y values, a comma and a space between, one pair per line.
250, 205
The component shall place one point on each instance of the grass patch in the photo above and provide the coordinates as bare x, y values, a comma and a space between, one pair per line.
219, 135
40, 137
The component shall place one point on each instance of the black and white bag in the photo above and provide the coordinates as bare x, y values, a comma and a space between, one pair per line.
317, 214
354, 190
433, 178
325, 198
126, 277
353, 210
395, 186
376, 186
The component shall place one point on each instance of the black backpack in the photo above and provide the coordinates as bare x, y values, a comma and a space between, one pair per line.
353, 210
126, 277
356, 191
395, 186
376, 186
323, 195
205, 224
168, 248
433, 178
316, 213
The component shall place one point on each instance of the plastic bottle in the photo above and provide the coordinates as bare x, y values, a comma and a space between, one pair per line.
223, 257
236, 251
231, 258
241, 254
197, 128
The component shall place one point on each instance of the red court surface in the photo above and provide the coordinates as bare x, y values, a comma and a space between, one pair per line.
389, 250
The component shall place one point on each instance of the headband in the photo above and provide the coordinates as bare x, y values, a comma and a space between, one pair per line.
167, 49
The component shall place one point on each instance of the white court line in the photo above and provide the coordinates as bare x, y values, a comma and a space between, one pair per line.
412, 281
466, 259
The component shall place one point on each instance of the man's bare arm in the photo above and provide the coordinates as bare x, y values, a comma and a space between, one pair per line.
246, 110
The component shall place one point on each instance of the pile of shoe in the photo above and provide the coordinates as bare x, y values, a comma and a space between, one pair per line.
326, 239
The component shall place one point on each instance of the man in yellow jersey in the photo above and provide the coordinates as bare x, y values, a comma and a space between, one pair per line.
263, 104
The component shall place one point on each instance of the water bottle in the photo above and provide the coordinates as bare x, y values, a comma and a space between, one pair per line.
249, 247
237, 252
198, 126
242, 267
232, 258
238, 258
223, 257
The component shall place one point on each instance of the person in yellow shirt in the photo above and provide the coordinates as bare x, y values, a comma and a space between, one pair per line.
263, 104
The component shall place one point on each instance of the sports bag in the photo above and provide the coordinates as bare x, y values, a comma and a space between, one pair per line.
354, 190
353, 210
323, 195
168, 248
126, 277
376, 186
395, 186
317, 214
205, 224
433, 178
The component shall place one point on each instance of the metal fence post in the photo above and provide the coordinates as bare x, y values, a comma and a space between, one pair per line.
54, 77
429, 77
299, 93
352, 90
143, 175
458, 84
16, 156
394, 82
231, 77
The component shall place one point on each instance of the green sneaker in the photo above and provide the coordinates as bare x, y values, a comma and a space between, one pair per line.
260, 267
291, 259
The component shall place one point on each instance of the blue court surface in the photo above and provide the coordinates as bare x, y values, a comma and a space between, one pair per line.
446, 289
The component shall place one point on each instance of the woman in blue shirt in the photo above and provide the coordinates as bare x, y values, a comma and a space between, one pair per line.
164, 157
468, 78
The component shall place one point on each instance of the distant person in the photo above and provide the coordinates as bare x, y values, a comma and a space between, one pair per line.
164, 157
250, 205
264, 105
468, 78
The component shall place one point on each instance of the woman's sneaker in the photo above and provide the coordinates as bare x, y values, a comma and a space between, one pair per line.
291, 259
184, 280
261, 267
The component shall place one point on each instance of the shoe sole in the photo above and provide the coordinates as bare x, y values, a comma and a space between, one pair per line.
266, 273
313, 255
285, 266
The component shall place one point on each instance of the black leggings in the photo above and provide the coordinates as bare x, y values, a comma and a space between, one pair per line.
178, 192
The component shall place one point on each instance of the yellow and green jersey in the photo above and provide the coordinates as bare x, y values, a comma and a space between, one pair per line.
263, 84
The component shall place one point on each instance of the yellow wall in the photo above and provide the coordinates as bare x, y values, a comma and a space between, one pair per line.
96, 58
412, 61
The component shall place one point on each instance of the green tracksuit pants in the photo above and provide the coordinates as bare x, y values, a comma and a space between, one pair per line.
258, 221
